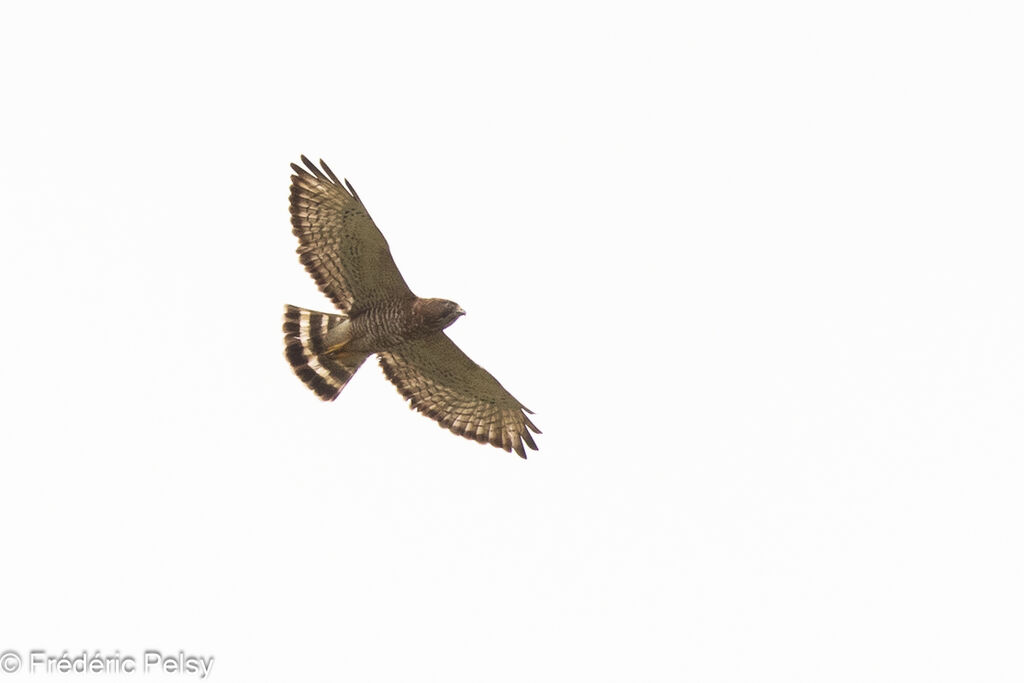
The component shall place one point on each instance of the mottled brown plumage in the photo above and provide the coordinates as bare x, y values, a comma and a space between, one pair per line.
350, 261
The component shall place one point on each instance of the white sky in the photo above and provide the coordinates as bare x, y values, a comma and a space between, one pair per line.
756, 267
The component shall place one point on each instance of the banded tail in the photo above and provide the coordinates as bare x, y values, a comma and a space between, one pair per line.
307, 337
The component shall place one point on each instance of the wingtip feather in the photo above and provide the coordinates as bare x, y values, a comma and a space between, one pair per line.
518, 448
327, 169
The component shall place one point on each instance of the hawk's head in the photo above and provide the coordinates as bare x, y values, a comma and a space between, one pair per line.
438, 313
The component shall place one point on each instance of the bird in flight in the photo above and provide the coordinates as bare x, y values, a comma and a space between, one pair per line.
349, 259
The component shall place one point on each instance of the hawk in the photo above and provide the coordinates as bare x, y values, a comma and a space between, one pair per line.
347, 255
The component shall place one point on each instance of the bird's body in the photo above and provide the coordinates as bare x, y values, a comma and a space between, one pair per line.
387, 325
350, 260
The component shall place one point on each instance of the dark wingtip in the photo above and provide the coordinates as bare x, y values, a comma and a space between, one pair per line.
313, 168
329, 172
518, 448
532, 426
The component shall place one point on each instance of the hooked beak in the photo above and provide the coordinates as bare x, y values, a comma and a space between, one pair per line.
459, 311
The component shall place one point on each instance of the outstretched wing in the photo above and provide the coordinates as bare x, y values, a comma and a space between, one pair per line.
443, 383
338, 242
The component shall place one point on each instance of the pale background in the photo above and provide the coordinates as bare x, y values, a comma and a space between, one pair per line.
756, 267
